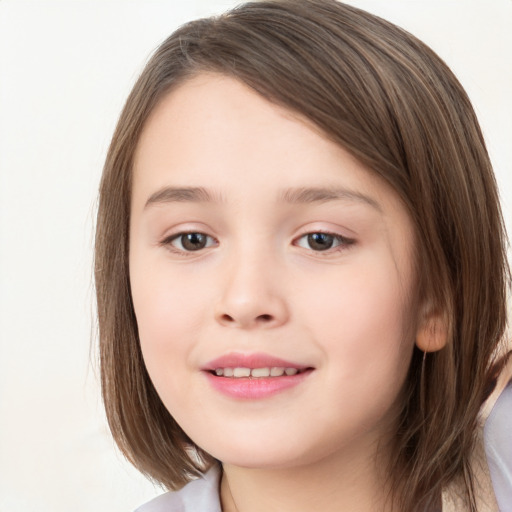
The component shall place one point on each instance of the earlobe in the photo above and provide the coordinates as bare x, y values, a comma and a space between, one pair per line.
432, 333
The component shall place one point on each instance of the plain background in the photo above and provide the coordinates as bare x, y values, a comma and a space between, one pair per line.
66, 68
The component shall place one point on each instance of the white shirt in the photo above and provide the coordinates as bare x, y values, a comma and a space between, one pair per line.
498, 448
201, 495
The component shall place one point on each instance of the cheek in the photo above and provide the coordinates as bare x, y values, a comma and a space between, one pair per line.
362, 323
169, 312
169, 316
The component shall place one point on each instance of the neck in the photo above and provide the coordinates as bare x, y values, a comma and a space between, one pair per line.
338, 482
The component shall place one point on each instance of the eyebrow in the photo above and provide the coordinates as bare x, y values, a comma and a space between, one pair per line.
301, 195
182, 195
305, 195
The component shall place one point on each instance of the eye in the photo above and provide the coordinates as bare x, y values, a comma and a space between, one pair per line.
189, 242
320, 241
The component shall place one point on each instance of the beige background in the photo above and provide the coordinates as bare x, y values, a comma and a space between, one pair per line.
65, 70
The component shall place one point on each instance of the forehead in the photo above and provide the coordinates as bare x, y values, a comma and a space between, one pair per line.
212, 115
214, 129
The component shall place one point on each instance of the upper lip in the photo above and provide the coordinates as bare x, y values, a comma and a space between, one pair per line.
237, 360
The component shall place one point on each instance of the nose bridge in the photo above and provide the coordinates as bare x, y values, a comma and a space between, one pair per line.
251, 293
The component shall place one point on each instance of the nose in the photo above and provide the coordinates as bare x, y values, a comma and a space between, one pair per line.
252, 296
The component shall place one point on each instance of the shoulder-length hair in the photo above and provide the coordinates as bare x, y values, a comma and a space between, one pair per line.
391, 102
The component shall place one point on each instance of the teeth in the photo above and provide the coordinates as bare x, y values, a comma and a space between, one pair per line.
241, 372
255, 372
260, 372
276, 372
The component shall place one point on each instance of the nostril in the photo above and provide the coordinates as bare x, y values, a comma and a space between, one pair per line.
247, 318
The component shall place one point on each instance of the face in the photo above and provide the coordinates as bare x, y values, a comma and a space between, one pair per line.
272, 279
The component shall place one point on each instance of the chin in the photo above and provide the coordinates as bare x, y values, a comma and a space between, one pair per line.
263, 454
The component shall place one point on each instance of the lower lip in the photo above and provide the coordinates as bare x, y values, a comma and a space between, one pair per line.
251, 388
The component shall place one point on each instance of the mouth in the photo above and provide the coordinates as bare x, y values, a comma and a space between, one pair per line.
257, 373
254, 376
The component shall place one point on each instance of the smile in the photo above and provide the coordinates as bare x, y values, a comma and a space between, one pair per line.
254, 376
256, 373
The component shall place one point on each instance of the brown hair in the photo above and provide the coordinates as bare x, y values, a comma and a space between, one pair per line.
390, 101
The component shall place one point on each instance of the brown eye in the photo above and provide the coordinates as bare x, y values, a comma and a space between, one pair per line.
320, 241
190, 242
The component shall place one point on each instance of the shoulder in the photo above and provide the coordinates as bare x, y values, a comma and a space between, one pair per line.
201, 495
491, 459
498, 445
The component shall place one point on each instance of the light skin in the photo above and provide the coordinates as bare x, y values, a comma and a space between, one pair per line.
256, 184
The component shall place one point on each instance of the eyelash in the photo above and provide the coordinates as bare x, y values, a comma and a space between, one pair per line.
343, 243
168, 242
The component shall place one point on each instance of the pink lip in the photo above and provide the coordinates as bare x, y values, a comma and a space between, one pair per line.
236, 360
249, 387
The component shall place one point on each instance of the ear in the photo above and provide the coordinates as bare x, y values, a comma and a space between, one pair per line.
432, 332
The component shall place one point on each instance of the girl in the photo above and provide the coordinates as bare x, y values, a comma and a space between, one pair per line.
301, 274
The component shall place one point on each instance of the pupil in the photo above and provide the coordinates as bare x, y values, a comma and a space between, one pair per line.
320, 241
193, 241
